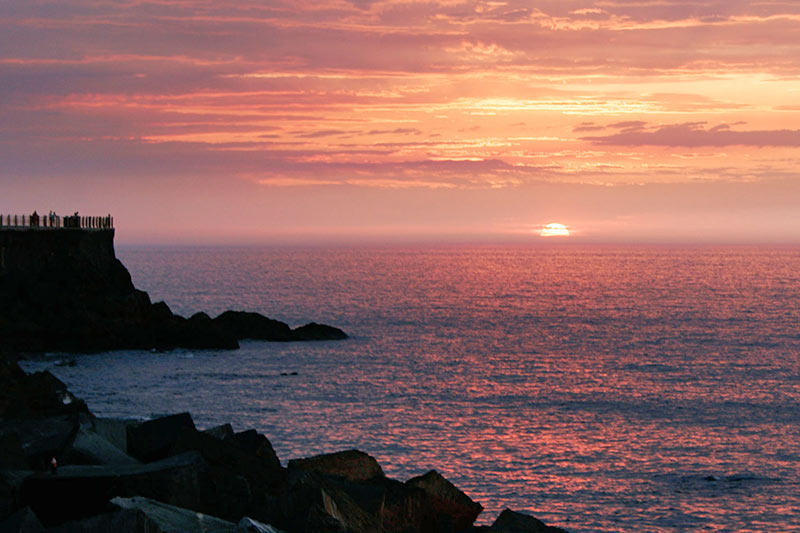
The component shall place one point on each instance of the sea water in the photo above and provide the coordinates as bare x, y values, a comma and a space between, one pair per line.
599, 388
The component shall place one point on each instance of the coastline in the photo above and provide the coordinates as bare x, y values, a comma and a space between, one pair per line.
64, 469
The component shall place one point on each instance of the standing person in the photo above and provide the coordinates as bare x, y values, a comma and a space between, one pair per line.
34, 219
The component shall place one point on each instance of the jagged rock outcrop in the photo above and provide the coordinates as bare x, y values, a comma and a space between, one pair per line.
65, 290
165, 474
352, 465
513, 522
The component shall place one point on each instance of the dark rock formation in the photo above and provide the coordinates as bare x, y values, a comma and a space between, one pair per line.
38, 395
23, 521
171, 518
351, 465
41, 439
454, 510
65, 290
244, 325
317, 332
243, 481
513, 522
122, 521
153, 439
212, 478
77, 492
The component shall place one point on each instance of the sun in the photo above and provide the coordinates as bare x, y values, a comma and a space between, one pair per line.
554, 229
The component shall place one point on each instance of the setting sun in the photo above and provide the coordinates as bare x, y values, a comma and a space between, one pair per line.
554, 230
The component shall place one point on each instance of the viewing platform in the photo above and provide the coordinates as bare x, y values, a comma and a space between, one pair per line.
54, 222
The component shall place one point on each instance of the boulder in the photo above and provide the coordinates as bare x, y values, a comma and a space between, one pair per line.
153, 439
77, 492
221, 432
90, 448
352, 465
122, 521
394, 506
42, 439
253, 442
172, 519
513, 522
12, 457
454, 510
23, 521
240, 481
10, 490
317, 332
113, 430
400, 508
248, 525
246, 325
37, 395
312, 503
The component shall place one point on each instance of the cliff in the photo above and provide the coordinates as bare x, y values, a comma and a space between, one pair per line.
64, 289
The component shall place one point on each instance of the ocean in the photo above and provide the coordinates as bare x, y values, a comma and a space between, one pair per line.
601, 388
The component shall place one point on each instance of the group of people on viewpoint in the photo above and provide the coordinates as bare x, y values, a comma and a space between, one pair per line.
53, 220
49, 221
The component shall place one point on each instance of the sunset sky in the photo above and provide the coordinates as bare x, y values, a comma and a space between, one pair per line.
200, 121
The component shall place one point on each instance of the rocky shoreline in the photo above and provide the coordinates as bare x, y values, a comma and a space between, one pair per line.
64, 470
65, 290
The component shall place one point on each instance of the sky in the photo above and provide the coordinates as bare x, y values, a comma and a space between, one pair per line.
207, 122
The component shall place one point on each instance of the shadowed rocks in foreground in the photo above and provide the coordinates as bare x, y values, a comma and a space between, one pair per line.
66, 291
166, 475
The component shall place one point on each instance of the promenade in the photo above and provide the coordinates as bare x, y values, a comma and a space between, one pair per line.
54, 221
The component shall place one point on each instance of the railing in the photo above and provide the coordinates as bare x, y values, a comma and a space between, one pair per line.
53, 221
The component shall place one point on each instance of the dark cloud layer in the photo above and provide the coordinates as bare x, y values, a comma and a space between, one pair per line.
695, 135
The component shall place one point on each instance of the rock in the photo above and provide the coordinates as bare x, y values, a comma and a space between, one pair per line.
248, 525
352, 465
10, 490
240, 481
122, 521
311, 503
202, 332
89, 448
172, 519
251, 441
114, 430
35, 395
12, 457
153, 439
317, 332
77, 492
161, 311
65, 291
68, 292
42, 439
513, 522
23, 521
399, 508
245, 325
454, 510
222, 432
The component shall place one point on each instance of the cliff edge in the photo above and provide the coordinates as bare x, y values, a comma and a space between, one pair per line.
64, 290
